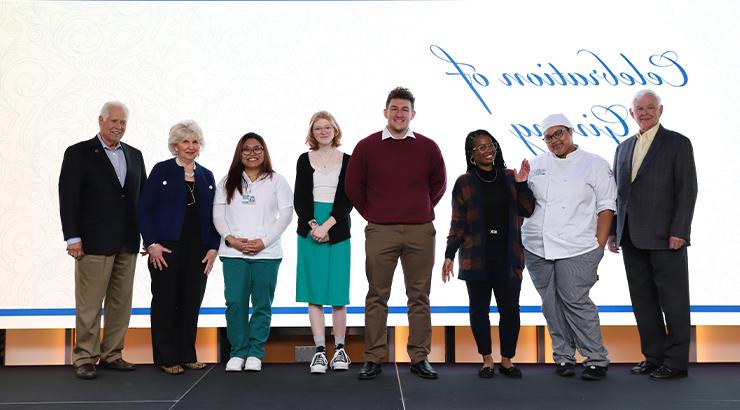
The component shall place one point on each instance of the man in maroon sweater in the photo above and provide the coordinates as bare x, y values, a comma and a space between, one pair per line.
394, 179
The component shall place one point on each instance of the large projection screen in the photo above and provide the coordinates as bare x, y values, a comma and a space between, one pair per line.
267, 66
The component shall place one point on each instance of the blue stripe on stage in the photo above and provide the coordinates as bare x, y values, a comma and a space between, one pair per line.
360, 310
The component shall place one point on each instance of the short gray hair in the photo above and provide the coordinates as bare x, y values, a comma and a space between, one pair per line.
179, 131
645, 92
105, 110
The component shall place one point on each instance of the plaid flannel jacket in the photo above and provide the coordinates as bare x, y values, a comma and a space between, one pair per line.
468, 230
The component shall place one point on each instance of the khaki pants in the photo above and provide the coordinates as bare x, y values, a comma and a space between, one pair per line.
101, 278
384, 246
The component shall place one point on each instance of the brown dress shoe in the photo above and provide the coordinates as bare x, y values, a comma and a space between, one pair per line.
86, 371
194, 365
118, 364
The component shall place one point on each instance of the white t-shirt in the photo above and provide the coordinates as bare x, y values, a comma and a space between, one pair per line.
569, 193
263, 211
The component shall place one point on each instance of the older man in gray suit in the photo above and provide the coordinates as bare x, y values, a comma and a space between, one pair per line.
656, 182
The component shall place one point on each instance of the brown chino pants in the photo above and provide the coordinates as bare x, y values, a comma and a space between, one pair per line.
384, 246
101, 278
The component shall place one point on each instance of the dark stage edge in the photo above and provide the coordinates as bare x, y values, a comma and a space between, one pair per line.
289, 386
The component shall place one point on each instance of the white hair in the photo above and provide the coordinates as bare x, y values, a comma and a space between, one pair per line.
182, 129
645, 92
105, 111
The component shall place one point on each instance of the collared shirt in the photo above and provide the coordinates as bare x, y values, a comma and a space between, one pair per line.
387, 134
569, 193
642, 145
117, 159
262, 211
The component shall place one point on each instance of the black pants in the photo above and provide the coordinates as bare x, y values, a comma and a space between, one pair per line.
659, 284
506, 290
177, 292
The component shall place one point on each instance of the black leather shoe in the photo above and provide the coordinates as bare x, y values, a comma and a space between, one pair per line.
644, 367
424, 369
665, 373
370, 371
86, 371
486, 372
512, 372
118, 364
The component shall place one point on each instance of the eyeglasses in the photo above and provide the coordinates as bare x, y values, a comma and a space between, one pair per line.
256, 150
555, 135
319, 129
483, 147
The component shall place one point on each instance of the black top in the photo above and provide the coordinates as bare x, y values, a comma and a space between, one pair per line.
191, 205
495, 197
303, 201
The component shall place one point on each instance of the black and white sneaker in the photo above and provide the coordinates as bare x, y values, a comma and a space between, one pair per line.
341, 360
565, 369
319, 363
592, 372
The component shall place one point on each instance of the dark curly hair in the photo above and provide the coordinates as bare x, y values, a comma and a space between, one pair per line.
401, 93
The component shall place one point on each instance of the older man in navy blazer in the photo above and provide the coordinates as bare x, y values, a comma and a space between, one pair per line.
99, 187
657, 188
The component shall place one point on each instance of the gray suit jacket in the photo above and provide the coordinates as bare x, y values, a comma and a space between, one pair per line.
660, 201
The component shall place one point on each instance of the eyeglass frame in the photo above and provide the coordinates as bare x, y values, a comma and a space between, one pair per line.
555, 135
490, 145
257, 149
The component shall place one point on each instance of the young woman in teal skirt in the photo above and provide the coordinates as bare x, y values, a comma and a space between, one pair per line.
322, 275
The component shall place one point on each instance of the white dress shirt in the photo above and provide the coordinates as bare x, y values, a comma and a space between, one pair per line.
569, 193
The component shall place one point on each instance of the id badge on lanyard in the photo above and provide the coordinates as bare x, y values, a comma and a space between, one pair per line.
248, 198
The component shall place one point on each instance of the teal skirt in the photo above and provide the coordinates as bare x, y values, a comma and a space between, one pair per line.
322, 274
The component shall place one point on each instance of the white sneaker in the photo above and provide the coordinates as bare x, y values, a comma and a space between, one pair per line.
253, 364
319, 363
340, 361
235, 364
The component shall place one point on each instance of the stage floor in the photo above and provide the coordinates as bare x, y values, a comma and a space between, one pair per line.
290, 386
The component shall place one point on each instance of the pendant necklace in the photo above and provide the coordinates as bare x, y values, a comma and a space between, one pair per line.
187, 174
495, 175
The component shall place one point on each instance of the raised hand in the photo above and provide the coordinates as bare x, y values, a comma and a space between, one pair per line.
523, 174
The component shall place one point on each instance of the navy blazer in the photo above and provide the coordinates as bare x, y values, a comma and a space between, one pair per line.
93, 205
162, 205
660, 201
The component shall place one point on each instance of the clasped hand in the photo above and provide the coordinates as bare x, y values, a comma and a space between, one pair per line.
246, 246
320, 233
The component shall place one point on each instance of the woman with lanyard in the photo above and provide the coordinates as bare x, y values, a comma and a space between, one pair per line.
252, 208
175, 219
488, 205
322, 275
564, 240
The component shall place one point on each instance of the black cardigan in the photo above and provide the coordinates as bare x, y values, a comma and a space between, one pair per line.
303, 201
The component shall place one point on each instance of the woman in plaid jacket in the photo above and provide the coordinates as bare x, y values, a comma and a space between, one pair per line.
489, 203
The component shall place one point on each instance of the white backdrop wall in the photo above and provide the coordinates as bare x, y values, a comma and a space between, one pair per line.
267, 66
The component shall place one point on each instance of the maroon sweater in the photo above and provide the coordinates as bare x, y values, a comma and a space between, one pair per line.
396, 181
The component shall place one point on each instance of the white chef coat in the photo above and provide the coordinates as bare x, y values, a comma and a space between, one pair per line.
569, 193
